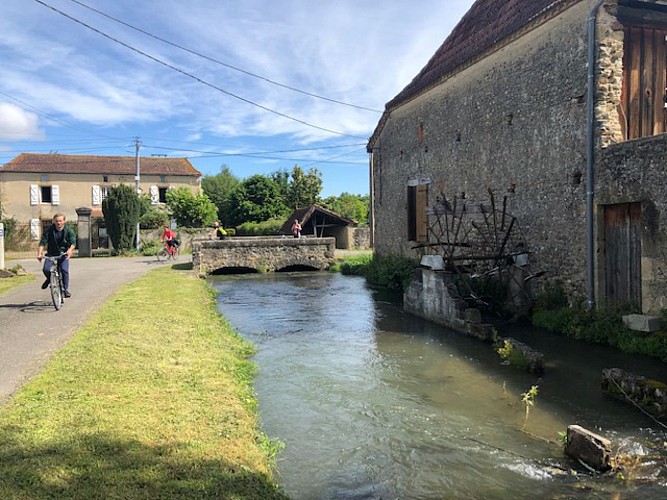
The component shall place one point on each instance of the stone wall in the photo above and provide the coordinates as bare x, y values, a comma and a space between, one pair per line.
634, 171
262, 254
515, 122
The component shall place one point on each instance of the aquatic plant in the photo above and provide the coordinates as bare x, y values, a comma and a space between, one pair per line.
528, 399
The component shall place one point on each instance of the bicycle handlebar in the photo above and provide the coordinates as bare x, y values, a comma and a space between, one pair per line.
53, 258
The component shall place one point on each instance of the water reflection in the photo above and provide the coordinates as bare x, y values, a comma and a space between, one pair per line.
374, 403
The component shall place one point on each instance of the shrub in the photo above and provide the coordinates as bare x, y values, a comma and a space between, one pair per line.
392, 272
266, 228
121, 215
601, 326
153, 218
150, 247
17, 236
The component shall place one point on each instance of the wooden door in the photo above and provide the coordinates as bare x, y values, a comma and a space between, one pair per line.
622, 230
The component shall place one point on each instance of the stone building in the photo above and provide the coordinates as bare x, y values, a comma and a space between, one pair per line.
557, 108
33, 187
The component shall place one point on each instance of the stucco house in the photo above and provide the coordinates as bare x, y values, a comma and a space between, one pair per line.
33, 187
557, 108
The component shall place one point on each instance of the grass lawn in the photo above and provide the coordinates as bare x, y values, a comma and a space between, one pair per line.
152, 399
13, 281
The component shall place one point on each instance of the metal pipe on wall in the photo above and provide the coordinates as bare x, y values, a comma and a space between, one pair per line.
590, 151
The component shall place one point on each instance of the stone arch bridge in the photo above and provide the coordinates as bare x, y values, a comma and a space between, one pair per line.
262, 254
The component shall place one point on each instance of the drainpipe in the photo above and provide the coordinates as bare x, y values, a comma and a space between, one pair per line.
590, 147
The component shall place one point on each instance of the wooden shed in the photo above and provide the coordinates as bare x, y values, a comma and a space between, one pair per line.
319, 222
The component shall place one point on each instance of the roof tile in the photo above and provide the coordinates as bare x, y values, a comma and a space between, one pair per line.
89, 164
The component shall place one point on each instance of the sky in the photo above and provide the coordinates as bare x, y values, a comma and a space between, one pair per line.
257, 86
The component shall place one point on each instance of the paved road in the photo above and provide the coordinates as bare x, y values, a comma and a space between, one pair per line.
31, 330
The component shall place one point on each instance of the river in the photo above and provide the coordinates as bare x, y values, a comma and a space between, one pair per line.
373, 403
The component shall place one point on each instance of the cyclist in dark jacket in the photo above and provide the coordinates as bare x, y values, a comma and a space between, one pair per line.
57, 239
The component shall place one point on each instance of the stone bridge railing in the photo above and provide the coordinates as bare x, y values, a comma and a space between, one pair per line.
263, 254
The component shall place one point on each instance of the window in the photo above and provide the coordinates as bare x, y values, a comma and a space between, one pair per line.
417, 223
45, 196
105, 178
163, 195
163, 179
642, 108
104, 192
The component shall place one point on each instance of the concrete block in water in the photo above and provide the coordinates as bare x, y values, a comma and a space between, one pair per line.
592, 449
641, 322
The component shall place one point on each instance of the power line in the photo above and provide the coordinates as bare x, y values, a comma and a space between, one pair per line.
259, 156
53, 118
216, 61
196, 78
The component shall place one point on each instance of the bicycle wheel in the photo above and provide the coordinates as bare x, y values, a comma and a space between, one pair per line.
174, 253
56, 290
162, 253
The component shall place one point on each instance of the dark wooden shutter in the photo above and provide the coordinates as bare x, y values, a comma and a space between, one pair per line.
412, 210
644, 82
420, 216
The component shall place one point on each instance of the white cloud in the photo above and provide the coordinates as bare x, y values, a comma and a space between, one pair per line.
16, 124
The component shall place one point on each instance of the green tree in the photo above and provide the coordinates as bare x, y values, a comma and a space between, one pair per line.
191, 210
121, 209
219, 188
305, 188
281, 178
351, 206
257, 199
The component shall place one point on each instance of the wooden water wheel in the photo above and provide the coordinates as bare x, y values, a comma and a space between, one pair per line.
483, 245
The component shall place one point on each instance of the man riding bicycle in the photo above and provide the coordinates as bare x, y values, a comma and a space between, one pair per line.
57, 239
169, 237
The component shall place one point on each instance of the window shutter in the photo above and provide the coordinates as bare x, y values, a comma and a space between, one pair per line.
55, 195
155, 195
421, 221
96, 195
34, 229
34, 194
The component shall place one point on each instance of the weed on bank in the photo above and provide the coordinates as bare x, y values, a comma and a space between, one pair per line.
152, 399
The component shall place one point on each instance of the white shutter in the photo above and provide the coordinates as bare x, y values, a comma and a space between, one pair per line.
34, 194
34, 229
96, 195
55, 195
155, 195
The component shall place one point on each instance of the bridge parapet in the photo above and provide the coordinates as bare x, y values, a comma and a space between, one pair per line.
264, 254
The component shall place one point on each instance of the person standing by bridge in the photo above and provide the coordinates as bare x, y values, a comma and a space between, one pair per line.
296, 229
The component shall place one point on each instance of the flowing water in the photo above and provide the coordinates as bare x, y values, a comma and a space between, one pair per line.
373, 403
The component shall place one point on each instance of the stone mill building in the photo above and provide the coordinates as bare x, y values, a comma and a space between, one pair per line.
552, 111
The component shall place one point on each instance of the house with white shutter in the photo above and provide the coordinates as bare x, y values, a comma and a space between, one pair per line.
33, 187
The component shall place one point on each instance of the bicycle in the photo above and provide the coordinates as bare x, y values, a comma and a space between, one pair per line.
167, 252
56, 282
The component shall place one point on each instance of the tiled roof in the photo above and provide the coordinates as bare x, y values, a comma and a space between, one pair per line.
305, 214
486, 24
89, 164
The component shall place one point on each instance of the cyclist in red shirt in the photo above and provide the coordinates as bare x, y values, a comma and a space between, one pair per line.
169, 237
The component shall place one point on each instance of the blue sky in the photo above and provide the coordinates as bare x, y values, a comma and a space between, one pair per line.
245, 104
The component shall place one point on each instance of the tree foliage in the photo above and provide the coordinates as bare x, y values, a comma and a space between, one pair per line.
191, 210
351, 206
121, 209
219, 188
304, 188
257, 199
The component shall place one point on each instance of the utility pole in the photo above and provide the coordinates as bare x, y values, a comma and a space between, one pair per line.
137, 178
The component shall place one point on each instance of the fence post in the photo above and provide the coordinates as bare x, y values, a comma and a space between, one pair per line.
2, 245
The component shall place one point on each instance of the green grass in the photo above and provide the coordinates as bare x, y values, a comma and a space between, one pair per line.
13, 281
151, 399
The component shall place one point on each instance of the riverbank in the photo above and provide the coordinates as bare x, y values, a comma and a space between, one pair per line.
152, 398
